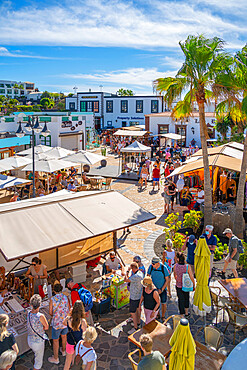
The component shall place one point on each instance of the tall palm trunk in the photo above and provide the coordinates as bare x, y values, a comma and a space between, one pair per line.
207, 183
238, 225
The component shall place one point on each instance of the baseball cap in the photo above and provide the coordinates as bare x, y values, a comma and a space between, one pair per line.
137, 259
155, 259
227, 230
68, 280
191, 238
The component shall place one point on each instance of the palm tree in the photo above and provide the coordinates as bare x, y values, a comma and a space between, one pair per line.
204, 59
233, 87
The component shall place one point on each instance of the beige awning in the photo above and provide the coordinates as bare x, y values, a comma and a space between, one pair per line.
34, 226
129, 133
232, 149
217, 160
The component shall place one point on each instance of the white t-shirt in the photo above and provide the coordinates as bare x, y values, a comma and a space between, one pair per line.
89, 356
200, 194
113, 265
180, 184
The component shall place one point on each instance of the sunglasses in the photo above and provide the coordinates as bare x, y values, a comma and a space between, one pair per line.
154, 263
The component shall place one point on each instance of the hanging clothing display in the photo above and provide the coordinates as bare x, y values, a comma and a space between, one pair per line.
223, 183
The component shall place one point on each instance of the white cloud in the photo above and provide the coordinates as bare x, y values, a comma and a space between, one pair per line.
134, 77
140, 24
4, 52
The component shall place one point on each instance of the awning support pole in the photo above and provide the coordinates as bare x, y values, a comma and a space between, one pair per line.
57, 258
20, 260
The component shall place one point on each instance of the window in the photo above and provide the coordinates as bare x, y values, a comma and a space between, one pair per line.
45, 140
96, 107
9, 91
22, 92
16, 92
139, 106
163, 129
2, 91
89, 106
181, 130
71, 106
109, 106
83, 106
154, 106
124, 106
1, 85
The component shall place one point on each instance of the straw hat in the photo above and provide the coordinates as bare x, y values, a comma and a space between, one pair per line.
147, 281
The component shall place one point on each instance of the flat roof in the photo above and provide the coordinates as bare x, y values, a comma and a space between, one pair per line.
37, 225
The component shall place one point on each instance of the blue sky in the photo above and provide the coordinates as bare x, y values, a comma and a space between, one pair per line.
114, 43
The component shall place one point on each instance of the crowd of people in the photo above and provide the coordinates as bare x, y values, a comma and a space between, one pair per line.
71, 318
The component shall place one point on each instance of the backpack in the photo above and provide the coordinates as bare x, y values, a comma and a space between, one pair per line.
85, 296
162, 269
240, 247
187, 285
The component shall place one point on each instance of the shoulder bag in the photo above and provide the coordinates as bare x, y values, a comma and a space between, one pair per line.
187, 285
45, 335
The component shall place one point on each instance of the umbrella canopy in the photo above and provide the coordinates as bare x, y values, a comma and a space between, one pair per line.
48, 165
237, 359
14, 162
82, 156
39, 156
183, 348
58, 152
2, 168
8, 181
202, 300
37, 149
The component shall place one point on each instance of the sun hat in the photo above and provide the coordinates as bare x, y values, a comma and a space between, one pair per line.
227, 230
155, 259
147, 281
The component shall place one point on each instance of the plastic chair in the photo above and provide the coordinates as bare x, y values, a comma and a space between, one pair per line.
175, 320
239, 321
134, 364
213, 337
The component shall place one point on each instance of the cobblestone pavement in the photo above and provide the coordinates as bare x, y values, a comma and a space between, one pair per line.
112, 344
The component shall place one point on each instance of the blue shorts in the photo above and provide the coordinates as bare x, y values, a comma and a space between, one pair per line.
163, 296
156, 179
55, 333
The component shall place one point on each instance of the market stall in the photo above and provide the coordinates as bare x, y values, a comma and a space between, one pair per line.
63, 229
131, 156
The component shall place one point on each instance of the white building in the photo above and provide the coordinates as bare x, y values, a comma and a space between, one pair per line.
122, 111
15, 89
111, 110
70, 131
162, 123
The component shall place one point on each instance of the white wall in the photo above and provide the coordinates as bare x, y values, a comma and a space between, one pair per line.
117, 117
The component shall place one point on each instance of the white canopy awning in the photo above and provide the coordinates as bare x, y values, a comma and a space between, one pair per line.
172, 136
58, 152
51, 222
37, 149
15, 162
48, 165
83, 156
136, 147
129, 133
9, 181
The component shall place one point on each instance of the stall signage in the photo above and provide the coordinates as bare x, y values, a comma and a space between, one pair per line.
126, 118
89, 97
66, 124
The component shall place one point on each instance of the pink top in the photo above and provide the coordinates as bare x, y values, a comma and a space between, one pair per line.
180, 270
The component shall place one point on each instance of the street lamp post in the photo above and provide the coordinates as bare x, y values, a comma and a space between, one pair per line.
33, 127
